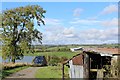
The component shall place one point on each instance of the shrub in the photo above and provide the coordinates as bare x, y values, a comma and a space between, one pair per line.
11, 65
54, 60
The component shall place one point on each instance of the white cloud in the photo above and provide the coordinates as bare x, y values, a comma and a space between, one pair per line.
77, 12
110, 9
108, 23
88, 22
68, 31
51, 21
58, 34
71, 35
103, 35
85, 21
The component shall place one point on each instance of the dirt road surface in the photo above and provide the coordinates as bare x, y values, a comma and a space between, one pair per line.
25, 73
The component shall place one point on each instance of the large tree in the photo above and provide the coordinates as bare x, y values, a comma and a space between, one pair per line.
18, 31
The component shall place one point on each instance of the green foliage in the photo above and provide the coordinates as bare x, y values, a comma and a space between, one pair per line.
112, 71
54, 60
18, 30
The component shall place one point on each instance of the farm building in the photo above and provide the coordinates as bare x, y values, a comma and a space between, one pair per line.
90, 64
76, 49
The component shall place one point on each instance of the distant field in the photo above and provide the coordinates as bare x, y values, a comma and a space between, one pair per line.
59, 54
64, 50
48, 48
51, 48
61, 47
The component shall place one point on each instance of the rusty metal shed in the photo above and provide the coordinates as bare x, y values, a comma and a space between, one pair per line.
87, 64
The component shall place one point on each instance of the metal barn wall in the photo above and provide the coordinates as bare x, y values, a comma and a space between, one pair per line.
76, 71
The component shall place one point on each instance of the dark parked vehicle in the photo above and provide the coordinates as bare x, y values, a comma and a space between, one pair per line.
40, 60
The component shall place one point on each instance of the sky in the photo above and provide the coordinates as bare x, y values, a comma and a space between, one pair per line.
76, 22
59, 0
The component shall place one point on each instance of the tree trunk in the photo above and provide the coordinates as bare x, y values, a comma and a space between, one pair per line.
14, 51
9, 59
13, 59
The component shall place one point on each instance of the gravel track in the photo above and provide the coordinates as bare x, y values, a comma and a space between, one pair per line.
25, 73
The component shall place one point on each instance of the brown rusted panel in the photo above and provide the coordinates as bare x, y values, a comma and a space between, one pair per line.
78, 60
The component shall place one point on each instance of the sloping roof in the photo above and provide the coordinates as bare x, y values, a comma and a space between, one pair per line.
109, 50
101, 51
71, 58
105, 50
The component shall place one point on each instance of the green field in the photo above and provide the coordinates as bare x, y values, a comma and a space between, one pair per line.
58, 54
65, 47
59, 51
51, 72
63, 50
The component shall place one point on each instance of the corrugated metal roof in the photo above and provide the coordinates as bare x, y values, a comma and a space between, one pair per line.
104, 50
78, 60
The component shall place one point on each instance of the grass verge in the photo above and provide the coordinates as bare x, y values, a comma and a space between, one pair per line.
51, 72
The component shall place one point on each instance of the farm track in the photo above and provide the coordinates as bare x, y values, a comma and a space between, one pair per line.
25, 73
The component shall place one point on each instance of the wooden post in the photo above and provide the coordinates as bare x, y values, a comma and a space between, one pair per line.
118, 62
101, 63
63, 71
